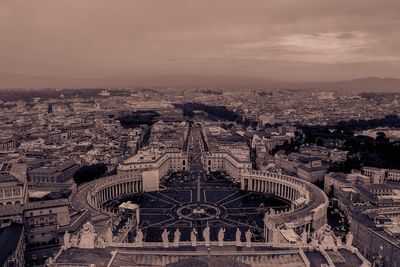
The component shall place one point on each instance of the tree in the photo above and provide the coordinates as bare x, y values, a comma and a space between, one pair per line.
89, 173
381, 137
319, 141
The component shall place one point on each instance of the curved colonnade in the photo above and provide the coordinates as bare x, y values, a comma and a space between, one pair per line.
308, 203
108, 188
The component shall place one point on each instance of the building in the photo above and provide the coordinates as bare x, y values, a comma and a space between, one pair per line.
336, 155
334, 181
42, 219
9, 214
13, 188
53, 173
8, 142
393, 175
377, 235
226, 162
152, 164
377, 175
12, 246
311, 169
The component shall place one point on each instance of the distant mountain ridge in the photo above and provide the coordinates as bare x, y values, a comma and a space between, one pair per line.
367, 83
190, 81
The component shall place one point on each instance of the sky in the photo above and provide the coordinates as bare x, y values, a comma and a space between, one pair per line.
285, 40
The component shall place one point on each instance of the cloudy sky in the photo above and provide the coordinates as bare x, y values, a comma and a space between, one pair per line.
285, 40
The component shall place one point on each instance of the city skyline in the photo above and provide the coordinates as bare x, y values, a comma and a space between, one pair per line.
200, 133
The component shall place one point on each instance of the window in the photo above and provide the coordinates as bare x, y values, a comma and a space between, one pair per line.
16, 191
7, 192
33, 256
50, 211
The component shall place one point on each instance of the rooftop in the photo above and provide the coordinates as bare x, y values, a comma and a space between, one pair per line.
9, 237
45, 204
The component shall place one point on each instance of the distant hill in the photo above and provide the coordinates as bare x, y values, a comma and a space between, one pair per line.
187, 81
366, 84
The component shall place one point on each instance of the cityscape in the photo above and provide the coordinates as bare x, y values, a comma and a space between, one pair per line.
200, 166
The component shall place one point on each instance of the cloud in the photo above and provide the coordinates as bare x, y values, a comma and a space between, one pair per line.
98, 38
322, 47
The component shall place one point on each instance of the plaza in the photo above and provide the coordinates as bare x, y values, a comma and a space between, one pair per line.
224, 204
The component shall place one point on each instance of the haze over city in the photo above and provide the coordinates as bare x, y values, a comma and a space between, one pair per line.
90, 43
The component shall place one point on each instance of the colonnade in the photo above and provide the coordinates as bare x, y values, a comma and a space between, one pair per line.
272, 187
108, 188
282, 186
116, 190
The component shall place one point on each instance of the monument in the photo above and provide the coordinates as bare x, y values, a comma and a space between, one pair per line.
206, 235
177, 237
74, 240
108, 237
100, 242
87, 236
248, 238
221, 235
139, 238
67, 242
304, 237
238, 237
193, 237
164, 237
349, 239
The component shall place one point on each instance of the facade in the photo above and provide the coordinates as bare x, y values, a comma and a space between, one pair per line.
377, 235
227, 162
55, 173
13, 188
393, 175
8, 142
42, 219
336, 155
333, 182
311, 169
153, 164
371, 207
377, 175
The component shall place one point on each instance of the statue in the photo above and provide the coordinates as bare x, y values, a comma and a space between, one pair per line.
50, 261
248, 238
238, 237
304, 237
349, 239
221, 235
339, 242
87, 236
272, 212
327, 238
177, 237
108, 236
206, 235
314, 242
67, 242
164, 237
139, 238
100, 242
193, 237
74, 241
